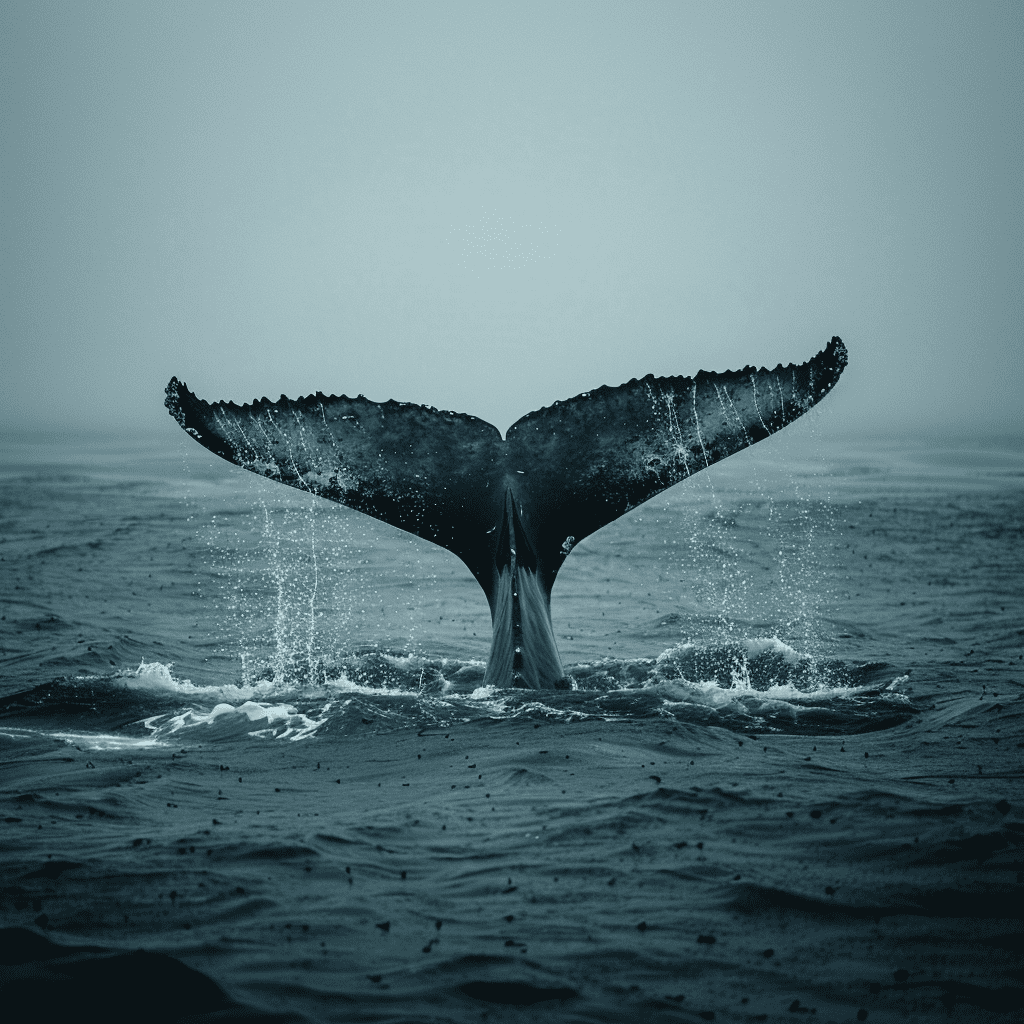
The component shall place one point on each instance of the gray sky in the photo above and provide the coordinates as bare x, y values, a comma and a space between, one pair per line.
488, 207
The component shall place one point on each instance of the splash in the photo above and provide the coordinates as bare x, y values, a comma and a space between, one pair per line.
756, 685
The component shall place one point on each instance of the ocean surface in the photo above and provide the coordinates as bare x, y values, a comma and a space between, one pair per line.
244, 731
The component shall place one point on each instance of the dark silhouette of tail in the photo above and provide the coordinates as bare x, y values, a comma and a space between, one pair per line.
511, 509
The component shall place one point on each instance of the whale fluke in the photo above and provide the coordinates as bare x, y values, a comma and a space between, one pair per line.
511, 509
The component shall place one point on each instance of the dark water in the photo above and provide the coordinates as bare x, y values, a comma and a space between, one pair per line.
247, 729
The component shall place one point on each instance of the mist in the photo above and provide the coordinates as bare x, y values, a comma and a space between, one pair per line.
488, 208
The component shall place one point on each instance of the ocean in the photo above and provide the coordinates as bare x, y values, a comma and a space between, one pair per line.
251, 771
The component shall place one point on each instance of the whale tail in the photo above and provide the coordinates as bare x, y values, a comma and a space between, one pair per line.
512, 509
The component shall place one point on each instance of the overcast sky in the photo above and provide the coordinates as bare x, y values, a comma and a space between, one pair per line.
491, 206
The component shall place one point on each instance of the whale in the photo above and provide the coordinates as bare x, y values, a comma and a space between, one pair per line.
511, 508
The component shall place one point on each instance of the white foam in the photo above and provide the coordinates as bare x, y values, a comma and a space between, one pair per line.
269, 713
763, 645
156, 676
741, 690
751, 650
84, 740
711, 691
104, 741
343, 684
685, 692
279, 721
